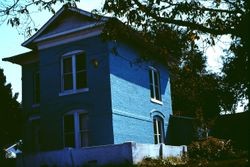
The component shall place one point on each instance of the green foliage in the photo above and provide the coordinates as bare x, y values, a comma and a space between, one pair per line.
10, 114
236, 77
195, 92
211, 149
168, 162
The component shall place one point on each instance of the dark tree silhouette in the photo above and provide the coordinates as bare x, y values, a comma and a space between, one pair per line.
10, 114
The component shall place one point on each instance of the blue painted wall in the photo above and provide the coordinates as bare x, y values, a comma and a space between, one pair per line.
28, 71
132, 108
95, 101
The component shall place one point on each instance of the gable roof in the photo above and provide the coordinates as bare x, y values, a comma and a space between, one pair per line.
85, 20
70, 20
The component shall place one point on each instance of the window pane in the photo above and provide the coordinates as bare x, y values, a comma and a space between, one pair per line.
160, 130
69, 123
80, 62
83, 123
68, 81
67, 65
81, 79
156, 78
157, 93
155, 132
67, 74
69, 136
150, 76
69, 140
84, 139
152, 91
151, 83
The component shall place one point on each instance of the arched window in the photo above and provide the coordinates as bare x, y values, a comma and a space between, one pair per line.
75, 128
74, 72
158, 130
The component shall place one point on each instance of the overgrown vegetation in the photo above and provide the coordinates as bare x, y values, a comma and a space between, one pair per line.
211, 149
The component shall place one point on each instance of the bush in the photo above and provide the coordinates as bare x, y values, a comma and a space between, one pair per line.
167, 162
211, 149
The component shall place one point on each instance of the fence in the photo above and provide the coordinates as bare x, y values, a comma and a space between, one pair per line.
129, 152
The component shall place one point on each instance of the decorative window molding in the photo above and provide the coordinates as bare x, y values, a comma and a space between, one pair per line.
75, 129
155, 86
73, 73
158, 123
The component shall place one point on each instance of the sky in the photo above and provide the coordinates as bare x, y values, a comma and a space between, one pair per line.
11, 40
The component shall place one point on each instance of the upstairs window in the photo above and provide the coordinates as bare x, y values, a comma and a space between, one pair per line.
36, 85
158, 130
155, 88
74, 73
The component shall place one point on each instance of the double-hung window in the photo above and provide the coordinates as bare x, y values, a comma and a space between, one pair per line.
155, 88
75, 130
158, 130
74, 72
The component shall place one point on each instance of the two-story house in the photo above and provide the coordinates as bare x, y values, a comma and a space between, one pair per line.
77, 92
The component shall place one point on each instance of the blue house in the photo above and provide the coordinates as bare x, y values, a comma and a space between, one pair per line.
77, 92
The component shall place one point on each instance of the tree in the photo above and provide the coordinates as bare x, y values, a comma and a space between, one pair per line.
194, 90
10, 114
18, 13
195, 18
216, 17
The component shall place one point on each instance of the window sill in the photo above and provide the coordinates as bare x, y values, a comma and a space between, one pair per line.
36, 105
71, 92
156, 101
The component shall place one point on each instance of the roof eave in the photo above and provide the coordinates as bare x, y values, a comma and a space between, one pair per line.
21, 58
28, 42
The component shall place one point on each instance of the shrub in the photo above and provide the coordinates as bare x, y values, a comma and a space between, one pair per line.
167, 162
211, 149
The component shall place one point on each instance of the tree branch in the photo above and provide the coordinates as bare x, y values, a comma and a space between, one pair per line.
183, 23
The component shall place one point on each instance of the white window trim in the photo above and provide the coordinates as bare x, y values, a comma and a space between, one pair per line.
63, 92
77, 130
154, 100
71, 92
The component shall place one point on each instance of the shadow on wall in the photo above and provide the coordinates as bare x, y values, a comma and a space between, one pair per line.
137, 70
